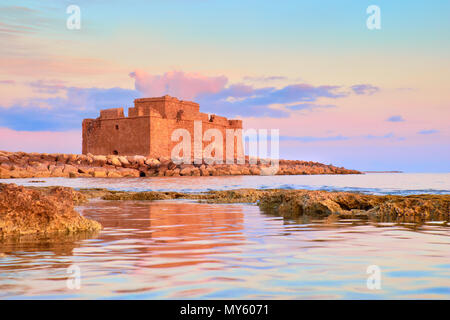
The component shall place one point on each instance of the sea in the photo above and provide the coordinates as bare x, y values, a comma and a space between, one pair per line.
182, 249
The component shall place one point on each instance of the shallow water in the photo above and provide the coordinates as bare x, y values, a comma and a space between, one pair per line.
373, 183
180, 249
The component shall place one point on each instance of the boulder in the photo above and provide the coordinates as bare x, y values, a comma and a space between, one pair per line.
128, 172
26, 211
269, 171
85, 169
114, 174
137, 160
124, 161
185, 171
72, 158
6, 165
153, 163
62, 158
4, 159
4, 174
69, 168
168, 173
99, 160
99, 172
171, 165
58, 171
114, 160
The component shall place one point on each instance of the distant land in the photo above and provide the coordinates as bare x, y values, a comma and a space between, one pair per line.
392, 171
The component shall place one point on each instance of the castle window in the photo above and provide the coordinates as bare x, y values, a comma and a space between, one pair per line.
117, 127
179, 115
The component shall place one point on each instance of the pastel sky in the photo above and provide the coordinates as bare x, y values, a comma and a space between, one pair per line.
338, 92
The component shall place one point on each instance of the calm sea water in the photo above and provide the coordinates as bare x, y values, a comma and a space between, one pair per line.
181, 249
375, 183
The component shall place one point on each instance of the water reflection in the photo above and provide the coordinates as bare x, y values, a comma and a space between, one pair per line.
182, 249
180, 233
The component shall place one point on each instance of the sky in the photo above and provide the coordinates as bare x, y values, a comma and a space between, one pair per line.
338, 91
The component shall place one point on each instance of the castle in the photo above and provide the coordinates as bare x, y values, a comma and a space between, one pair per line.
149, 126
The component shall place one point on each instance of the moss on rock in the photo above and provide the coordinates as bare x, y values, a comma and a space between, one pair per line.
26, 211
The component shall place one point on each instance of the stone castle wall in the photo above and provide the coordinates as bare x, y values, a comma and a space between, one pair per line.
148, 128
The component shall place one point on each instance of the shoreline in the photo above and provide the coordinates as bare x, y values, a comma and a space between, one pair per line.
44, 165
296, 203
49, 209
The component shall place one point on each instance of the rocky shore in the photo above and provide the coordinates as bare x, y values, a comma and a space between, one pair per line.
45, 210
27, 211
297, 203
40, 165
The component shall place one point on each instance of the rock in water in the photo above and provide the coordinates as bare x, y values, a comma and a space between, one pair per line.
27, 211
295, 203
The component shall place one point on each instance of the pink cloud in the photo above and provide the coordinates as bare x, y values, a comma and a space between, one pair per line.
7, 82
177, 83
40, 141
35, 66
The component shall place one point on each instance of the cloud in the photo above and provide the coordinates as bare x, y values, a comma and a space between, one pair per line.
264, 79
20, 20
432, 131
299, 92
67, 106
310, 106
63, 113
237, 99
52, 86
395, 119
366, 89
43, 141
386, 136
27, 63
177, 83
7, 82
313, 139
244, 100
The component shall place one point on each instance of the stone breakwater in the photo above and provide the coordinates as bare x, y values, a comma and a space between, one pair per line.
40, 165
28, 211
